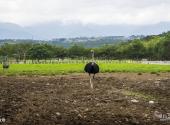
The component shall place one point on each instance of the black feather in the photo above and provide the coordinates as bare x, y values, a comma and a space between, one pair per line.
91, 68
5, 66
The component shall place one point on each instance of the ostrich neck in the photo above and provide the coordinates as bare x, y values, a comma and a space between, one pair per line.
93, 57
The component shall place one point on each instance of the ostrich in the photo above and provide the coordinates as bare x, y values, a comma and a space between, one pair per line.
5, 66
91, 68
5, 63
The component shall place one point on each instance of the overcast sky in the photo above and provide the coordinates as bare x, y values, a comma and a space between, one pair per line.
104, 12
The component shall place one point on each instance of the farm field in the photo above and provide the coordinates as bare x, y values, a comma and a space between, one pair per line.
117, 99
56, 69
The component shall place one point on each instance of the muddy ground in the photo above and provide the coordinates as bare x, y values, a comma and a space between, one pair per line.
117, 99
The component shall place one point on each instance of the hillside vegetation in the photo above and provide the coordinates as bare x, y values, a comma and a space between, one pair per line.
155, 47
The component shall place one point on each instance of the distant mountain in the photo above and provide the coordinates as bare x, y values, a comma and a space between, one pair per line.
59, 30
52, 30
88, 41
13, 31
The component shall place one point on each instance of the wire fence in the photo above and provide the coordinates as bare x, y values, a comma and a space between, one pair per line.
78, 61
66, 61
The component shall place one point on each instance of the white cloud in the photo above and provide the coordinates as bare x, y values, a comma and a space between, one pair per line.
104, 12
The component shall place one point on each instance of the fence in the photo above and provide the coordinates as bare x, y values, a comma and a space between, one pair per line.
77, 61
156, 62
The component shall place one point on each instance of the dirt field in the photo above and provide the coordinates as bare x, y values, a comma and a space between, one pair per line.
117, 99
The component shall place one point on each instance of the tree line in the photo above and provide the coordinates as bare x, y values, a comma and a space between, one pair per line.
155, 47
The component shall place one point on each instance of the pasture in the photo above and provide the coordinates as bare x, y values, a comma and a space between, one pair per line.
67, 68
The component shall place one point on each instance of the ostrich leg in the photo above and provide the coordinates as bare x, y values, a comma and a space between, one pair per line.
91, 83
93, 76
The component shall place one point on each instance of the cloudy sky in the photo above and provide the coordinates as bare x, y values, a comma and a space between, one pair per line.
103, 12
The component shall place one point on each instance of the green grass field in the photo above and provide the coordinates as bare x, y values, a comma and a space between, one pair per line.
55, 69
